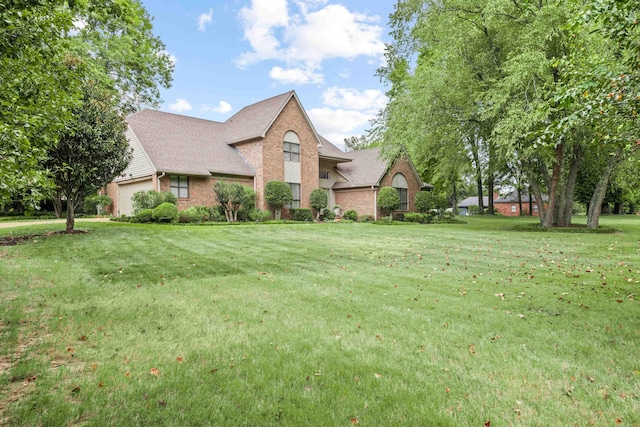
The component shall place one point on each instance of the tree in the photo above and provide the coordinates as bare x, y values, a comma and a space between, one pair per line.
92, 152
231, 197
389, 200
49, 50
277, 194
319, 200
39, 88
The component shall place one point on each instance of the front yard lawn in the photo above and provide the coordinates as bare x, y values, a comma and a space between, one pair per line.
321, 324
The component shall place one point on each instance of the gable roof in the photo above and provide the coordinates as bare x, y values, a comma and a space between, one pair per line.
365, 168
513, 198
326, 150
186, 145
255, 120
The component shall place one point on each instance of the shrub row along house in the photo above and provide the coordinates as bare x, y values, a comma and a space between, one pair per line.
272, 140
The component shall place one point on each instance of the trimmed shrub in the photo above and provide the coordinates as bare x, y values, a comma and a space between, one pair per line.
366, 218
301, 214
277, 194
143, 216
259, 215
329, 215
388, 200
95, 204
422, 201
351, 215
202, 213
188, 216
166, 212
142, 200
318, 199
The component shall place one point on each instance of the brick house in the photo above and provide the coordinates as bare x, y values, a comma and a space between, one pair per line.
507, 205
269, 140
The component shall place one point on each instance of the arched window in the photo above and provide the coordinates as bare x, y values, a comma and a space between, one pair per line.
291, 147
399, 182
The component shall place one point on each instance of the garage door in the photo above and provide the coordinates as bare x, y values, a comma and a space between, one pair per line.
125, 192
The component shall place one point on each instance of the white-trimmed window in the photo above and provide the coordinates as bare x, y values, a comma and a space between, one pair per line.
399, 182
180, 186
295, 191
514, 209
535, 207
291, 147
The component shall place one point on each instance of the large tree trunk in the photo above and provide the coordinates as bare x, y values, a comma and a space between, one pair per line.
555, 179
490, 188
576, 161
71, 213
595, 206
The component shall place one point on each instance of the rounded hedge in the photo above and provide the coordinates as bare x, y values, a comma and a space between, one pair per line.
144, 216
166, 212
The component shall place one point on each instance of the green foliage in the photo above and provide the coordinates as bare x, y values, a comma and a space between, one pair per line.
231, 197
329, 215
277, 194
301, 214
388, 199
96, 203
259, 215
151, 199
45, 65
422, 201
351, 215
91, 153
422, 218
144, 216
366, 218
318, 199
248, 205
165, 212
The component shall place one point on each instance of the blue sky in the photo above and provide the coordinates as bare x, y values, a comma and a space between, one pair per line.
229, 54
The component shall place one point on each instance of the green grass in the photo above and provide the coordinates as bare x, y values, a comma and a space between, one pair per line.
321, 324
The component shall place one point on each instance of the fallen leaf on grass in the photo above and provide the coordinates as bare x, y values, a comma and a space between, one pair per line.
487, 424
155, 372
354, 421
472, 348
377, 375
179, 359
127, 374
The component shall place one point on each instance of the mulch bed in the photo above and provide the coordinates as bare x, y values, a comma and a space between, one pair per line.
14, 240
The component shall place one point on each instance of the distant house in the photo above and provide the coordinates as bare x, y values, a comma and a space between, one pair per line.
507, 205
269, 140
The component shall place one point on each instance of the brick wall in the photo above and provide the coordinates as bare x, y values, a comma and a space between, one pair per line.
201, 190
360, 200
292, 118
402, 165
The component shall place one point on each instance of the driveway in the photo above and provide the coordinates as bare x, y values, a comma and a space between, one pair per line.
11, 224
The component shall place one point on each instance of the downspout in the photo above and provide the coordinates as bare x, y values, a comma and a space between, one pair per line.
159, 178
375, 203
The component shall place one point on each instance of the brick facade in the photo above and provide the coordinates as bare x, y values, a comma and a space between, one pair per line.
292, 118
201, 190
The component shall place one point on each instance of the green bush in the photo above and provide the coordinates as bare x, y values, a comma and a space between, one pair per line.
95, 204
166, 212
366, 218
318, 199
259, 215
277, 194
143, 216
301, 214
351, 215
388, 200
142, 200
329, 215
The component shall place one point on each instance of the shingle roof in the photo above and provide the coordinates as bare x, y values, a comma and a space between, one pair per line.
330, 151
473, 201
254, 120
365, 168
513, 197
186, 145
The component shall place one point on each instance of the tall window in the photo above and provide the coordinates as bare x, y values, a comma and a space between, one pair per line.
399, 182
514, 209
180, 186
291, 147
295, 190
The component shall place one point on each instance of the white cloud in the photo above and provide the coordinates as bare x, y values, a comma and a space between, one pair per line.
306, 39
180, 105
222, 107
295, 75
329, 121
204, 19
259, 22
368, 100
